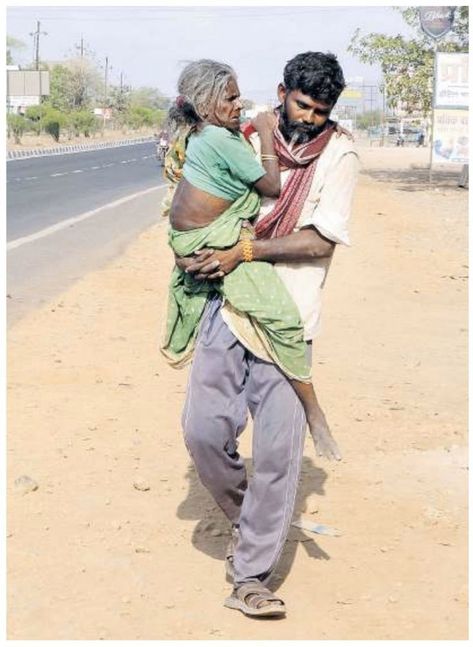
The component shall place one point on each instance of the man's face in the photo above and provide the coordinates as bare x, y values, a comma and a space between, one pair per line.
303, 117
228, 109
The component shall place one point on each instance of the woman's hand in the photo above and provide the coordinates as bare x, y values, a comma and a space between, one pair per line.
264, 122
200, 258
212, 264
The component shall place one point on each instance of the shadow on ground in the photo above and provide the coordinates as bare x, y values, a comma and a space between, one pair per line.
212, 532
416, 178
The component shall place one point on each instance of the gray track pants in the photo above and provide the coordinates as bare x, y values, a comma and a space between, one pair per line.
225, 382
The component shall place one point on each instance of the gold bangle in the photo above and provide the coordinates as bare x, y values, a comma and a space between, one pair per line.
268, 157
247, 249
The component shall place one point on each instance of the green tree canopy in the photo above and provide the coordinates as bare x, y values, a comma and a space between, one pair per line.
13, 44
149, 98
407, 64
74, 84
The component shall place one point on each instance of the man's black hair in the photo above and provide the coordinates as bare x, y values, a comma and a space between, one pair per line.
315, 74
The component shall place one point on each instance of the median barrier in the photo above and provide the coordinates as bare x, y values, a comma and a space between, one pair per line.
74, 148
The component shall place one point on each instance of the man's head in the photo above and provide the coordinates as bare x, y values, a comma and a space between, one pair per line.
312, 84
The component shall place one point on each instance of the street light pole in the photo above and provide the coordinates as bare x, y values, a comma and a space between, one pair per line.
383, 116
105, 95
432, 117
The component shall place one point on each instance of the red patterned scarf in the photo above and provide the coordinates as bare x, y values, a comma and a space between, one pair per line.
302, 160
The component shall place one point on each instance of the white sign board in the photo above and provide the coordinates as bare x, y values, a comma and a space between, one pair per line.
106, 113
451, 81
23, 102
450, 137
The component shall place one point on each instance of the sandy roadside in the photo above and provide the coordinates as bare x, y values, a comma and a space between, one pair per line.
94, 414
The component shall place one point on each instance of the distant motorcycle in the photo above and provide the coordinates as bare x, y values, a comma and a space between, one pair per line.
162, 148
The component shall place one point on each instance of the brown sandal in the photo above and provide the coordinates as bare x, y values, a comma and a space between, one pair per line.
249, 598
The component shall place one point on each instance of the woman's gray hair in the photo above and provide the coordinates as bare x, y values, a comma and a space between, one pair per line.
203, 82
201, 85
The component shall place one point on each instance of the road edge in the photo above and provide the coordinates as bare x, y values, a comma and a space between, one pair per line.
74, 148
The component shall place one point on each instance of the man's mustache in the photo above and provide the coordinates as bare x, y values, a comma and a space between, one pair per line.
298, 131
300, 126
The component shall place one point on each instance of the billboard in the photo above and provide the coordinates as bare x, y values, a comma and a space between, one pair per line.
351, 93
450, 137
451, 81
27, 83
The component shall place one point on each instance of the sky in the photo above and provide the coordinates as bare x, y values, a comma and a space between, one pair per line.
149, 44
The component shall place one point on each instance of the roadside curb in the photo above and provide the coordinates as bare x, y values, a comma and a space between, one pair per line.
75, 148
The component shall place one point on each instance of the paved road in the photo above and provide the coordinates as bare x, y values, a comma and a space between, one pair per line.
45, 190
71, 214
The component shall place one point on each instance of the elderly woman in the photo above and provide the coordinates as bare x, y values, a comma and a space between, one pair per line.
218, 192
217, 184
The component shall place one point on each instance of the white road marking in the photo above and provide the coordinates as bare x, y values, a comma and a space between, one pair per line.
91, 168
14, 244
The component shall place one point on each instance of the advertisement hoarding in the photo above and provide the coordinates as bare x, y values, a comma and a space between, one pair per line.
27, 83
451, 81
450, 137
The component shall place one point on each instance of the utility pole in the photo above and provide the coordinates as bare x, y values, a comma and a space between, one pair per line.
36, 36
105, 93
106, 81
80, 47
432, 118
383, 117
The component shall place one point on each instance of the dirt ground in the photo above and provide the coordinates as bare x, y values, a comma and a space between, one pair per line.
120, 541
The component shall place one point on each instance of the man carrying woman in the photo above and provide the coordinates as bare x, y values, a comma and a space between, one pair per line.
234, 369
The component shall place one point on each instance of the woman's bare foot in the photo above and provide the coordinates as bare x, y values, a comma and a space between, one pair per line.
324, 442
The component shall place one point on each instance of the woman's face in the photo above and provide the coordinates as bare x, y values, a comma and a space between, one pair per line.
228, 109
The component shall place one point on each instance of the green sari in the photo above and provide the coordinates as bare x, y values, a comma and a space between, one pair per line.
252, 289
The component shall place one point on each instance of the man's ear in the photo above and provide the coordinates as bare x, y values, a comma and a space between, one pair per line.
281, 93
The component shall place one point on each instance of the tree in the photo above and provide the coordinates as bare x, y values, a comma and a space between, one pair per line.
138, 116
17, 124
13, 44
74, 85
53, 121
368, 119
407, 64
119, 98
34, 116
83, 121
149, 98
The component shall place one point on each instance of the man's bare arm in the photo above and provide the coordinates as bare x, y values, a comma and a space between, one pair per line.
304, 245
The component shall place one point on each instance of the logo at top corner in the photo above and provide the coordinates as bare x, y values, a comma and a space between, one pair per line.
436, 21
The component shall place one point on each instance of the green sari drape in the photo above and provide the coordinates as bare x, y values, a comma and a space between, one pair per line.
253, 289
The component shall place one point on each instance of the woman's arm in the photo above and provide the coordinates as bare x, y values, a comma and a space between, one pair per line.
270, 184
